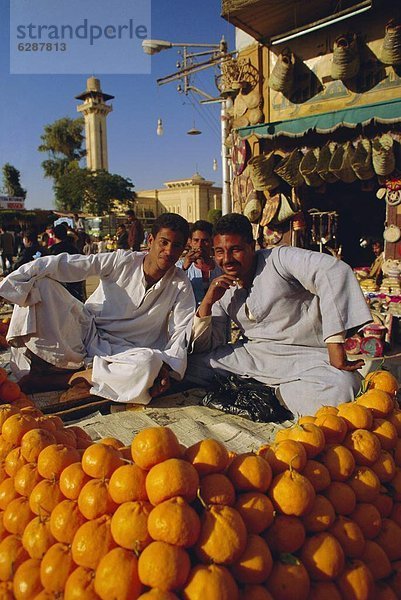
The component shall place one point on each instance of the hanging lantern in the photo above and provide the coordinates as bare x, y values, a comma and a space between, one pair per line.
215, 165
160, 128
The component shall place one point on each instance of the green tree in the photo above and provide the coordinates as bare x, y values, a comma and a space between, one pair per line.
214, 215
97, 192
62, 140
11, 182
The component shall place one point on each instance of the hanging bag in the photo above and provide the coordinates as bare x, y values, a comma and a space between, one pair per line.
340, 163
345, 62
383, 157
282, 76
261, 172
308, 168
288, 168
362, 160
323, 163
391, 49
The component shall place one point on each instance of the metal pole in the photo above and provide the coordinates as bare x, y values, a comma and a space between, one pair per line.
226, 193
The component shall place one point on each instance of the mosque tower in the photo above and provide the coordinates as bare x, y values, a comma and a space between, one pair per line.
95, 111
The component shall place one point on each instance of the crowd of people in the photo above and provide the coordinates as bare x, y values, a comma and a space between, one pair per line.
164, 313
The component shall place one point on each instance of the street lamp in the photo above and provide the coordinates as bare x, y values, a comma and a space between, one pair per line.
214, 55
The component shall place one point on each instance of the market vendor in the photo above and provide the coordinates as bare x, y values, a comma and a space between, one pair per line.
133, 329
376, 267
293, 307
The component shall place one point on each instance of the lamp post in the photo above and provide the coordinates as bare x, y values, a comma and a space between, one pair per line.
192, 62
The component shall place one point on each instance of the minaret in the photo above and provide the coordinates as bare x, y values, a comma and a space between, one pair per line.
95, 111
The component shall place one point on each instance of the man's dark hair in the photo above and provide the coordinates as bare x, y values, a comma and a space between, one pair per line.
31, 236
60, 232
236, 224
171, 221
121, 226
130, 213
202, 225
378, 241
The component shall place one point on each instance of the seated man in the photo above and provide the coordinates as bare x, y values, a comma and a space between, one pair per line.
293, 307
199, 263
133, 327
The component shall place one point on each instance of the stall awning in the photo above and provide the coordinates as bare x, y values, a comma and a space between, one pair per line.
323, 123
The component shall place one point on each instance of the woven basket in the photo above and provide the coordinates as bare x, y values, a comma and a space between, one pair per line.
282, 76
288, 168
270, 209
362, 160
345, 62
261, 172
253, 99
341, 163
289, 206
391, 50
240, 106
308, 166
253, 207
323, 163
255, 116
383, 157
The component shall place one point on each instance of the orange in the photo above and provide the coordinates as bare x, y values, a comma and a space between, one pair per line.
285, 454
129, 525
386, 432
376, 560
339, 461
368, 518
26, 478
12, 554
334, 428
66, 437
111, 441
117, 576
326, 410
292, 493
364, 445
384, 467
349, 535
207, 456
155, 594
9, 391
255, 592
94, 499
388, 539
255, 563
26, 582
53, 459
7, 492
15, 427
92, 541
55, 568
153, 445
256, 509
289, 580
45, 496
317, 474
356, 581
101, 461
384, 503
382, 380
355, 415
65, 520
323, 557
37, 537
320, 517
175, 522
217, 489
13, 461
365, 484
80, 585
213, 582
342, 497
310, 436
7, 410
173, 477
379, 402
17, 515
324, 590
127, 484
72, 480
249, 472
395, 419
285, 535
223, 535
164, 566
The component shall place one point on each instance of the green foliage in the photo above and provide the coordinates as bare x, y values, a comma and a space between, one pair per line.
94, 192
11, 182
214, 215
62, 140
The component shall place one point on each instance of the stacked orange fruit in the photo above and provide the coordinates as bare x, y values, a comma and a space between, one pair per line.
314, 515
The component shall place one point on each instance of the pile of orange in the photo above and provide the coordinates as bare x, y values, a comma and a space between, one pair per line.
315, 515
4, 325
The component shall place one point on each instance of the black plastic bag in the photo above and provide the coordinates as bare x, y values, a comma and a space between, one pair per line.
247, 398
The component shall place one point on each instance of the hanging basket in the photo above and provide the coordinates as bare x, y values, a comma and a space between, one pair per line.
341, 163
289, 206
255, 116
282, 76
270, 209
253, 99
261, 172
288, 168
391, 50
362, 160
253, 207
308, 167
323, 162
345, 62
383, 157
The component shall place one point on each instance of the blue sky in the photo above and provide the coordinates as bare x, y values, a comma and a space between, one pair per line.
135, 151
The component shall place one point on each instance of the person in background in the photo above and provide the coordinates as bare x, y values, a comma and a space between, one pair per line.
122, 238
101, 245
65, 244
32, 249
50, 233
199, 263
376, 266
294, 308
135, 231
79, 223
7, 249
90, 246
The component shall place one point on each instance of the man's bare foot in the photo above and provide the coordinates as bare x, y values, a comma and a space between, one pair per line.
34, 383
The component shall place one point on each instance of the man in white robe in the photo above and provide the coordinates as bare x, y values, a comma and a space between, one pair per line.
293, 308
133, 329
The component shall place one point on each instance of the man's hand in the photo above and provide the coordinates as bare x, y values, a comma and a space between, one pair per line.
162, 381
217, 289
191, 257
338, 358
